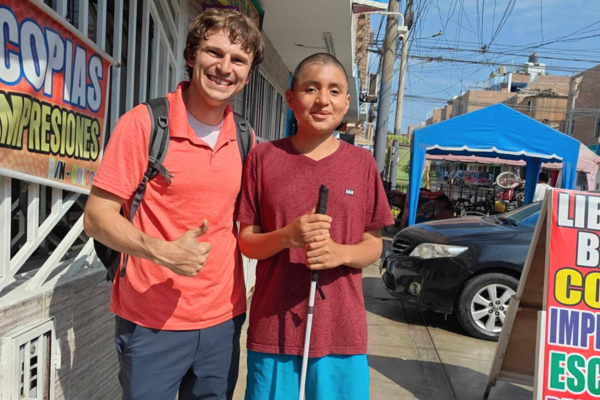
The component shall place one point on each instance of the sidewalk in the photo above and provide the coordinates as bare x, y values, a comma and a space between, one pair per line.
416, 356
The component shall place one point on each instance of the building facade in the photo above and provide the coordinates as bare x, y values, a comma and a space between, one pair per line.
474, 100
546, 106
436, 116
527, 89
583, 108
362, 23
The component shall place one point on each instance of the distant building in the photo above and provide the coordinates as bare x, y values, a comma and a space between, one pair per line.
436, 116
474, 100
546, 106
583, 108
529, 89
447, 111
362, 26
413, 128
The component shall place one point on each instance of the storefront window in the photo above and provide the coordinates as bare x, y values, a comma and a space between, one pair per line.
263, 106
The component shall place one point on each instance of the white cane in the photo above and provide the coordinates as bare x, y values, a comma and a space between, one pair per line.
321, 209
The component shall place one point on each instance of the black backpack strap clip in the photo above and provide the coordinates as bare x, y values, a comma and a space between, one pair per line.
244, 136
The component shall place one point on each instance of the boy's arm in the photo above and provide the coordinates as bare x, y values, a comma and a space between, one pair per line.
259, 246
104, 222
327, 254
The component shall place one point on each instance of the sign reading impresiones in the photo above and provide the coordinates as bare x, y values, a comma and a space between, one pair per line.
572, 331
53, 98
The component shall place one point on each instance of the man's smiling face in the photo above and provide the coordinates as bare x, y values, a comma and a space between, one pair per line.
221, 69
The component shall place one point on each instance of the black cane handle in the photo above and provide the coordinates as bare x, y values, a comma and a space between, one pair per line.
323, 197
321, 209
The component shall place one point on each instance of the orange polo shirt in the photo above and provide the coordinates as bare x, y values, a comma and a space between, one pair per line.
206, 184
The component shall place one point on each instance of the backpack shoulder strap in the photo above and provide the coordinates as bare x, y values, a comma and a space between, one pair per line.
159, 141
157, 151
244, 135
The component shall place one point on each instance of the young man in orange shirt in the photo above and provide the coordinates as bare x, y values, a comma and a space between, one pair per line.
181, 304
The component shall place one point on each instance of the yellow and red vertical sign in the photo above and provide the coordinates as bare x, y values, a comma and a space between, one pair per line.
53, 98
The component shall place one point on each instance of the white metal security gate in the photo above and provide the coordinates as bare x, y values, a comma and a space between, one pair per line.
41, 228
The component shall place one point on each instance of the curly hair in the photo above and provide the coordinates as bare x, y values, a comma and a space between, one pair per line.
238, 27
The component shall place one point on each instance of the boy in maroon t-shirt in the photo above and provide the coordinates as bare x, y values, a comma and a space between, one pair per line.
280, 229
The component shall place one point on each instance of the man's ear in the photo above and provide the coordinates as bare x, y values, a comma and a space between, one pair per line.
191, 61
249, 77
347, 104
289, 97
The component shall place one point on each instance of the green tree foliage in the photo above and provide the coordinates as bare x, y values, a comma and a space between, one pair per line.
403, 140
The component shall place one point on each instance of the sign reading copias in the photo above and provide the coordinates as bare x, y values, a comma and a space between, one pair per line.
53, 90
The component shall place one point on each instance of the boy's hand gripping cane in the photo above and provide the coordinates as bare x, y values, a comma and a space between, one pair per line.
321, 209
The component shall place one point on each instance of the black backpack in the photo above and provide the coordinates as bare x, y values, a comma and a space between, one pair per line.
159, 143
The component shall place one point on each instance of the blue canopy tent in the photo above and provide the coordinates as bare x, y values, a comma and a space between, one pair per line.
494, 131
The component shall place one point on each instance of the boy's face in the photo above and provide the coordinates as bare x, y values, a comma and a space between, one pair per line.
320, 98
221, 69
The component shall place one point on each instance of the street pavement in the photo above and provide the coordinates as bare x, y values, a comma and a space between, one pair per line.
414, 355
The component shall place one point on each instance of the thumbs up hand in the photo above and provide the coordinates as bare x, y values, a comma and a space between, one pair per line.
187, 255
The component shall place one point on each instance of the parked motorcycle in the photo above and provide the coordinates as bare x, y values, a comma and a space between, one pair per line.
513, 194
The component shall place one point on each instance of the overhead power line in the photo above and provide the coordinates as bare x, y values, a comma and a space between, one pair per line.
579, 112
506, 54
524, 47
455, 60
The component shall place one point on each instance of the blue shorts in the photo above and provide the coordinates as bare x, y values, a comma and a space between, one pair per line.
333, 377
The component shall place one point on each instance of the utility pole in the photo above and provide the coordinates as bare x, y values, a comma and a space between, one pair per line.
385, 91
400, 99
573, 88
403, 32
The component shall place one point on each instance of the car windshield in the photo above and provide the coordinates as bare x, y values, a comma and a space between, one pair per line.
523, 213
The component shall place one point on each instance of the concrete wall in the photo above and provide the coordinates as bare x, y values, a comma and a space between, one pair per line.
446, 112
521, 78
362, 24
413, 128
550, 110
85, 330
477, 99
587, 98
558, 84
436, 117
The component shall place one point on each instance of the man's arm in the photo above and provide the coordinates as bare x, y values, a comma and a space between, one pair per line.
103, 222
327, 254
259, 246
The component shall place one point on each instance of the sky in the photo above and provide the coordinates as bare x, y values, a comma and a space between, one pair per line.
558, 30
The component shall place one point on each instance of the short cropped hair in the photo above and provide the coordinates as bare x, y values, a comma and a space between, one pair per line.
324, 58
238, 27
543, 178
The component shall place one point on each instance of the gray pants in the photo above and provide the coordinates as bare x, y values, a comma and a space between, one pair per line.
201, 364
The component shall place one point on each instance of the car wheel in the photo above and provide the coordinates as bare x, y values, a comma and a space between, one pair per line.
483, 304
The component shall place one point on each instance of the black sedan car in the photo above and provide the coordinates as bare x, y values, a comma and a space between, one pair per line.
468, 266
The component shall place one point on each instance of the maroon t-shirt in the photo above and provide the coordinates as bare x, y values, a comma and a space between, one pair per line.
280, 185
